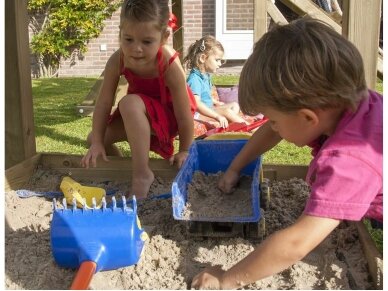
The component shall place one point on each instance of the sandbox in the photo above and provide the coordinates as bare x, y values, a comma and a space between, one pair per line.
345, 260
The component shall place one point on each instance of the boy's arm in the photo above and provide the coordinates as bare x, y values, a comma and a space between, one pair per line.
276, 253
261, 141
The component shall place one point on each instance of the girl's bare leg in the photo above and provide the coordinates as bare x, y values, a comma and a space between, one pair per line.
138, 133
115, 132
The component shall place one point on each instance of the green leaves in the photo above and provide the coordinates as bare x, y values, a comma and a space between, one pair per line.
65, 26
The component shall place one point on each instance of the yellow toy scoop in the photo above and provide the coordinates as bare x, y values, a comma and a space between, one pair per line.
71, 189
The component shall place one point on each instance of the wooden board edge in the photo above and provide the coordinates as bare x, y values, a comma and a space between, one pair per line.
18, 175
372, 255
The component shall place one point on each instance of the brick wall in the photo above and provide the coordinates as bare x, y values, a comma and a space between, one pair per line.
92, 63
199, 20
240, 15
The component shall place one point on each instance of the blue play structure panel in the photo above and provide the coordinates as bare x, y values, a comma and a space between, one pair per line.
210, 157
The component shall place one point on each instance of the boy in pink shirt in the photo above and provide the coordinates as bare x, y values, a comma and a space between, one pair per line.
309, 81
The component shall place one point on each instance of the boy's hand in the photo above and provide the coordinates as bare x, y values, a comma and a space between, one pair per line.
222, 120
228, 180
179, 158
210, 278
93, 153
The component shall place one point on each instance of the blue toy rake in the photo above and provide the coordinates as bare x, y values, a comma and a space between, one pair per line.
94, 239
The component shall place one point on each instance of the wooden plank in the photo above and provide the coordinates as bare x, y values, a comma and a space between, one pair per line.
52, 161
302, 7
361, 25
373, 256
178, 36
86, 107
88, 110
117, 168
18, 175
71, 164
84, 110
272, 172
275, 13
260, 19
19, 119
111, 174
90, 99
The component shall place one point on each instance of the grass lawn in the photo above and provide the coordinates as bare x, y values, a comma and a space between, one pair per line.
58, 128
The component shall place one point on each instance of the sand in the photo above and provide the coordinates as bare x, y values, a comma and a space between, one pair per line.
204, 199
171, 258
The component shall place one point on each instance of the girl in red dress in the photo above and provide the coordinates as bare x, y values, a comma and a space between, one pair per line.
158, 105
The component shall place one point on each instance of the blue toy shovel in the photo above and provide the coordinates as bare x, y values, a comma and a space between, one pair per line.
94, 239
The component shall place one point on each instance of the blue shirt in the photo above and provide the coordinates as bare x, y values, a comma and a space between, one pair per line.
201, 85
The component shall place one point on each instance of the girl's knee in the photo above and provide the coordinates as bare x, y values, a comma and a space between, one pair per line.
232, 110
131, 103
235, 106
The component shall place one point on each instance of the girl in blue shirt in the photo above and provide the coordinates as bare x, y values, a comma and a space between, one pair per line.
205, 57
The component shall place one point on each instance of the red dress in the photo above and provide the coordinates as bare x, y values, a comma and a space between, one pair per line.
157, 100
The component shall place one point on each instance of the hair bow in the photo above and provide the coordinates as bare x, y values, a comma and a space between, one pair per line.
173, 22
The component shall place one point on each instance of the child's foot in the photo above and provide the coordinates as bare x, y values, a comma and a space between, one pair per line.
141, 184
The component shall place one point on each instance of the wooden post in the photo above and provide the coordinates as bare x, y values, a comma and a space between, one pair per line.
260, 19
361, 25
275, 13
19, 120
177, 9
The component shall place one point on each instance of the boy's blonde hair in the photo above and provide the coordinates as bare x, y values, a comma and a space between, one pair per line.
146, 10
304, 64
205, 45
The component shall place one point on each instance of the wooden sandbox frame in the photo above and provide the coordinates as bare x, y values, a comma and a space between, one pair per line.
119, 169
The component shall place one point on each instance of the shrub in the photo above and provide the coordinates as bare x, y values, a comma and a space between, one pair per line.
62, 28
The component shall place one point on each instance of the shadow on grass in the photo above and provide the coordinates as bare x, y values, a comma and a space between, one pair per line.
55, 135
55, 99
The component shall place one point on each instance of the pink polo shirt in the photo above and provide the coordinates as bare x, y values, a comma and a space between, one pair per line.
346, 173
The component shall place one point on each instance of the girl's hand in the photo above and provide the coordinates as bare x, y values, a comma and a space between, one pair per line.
228, 180
222, 120
93, 153
179, 158
210, 278
218, 103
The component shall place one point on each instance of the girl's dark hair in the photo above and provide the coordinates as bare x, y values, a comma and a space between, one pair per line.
205, 45
304, 64
146, 10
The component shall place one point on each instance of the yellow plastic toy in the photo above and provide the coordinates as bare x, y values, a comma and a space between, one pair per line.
72, 189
